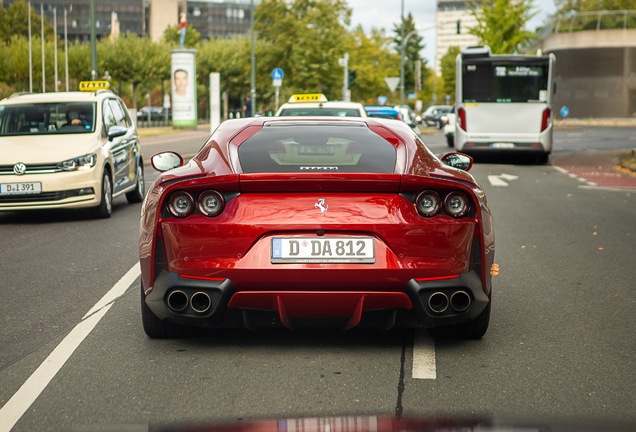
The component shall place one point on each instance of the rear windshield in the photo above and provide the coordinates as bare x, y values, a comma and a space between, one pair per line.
381, 114
505, 82
47, 118
316, 148
319, 111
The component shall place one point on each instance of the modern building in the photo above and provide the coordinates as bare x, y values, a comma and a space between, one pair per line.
453, 19
211, 18
595, 70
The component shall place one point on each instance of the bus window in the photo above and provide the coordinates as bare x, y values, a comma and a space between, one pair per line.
505, 82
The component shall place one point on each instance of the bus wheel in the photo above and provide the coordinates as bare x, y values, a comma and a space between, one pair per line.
450, 140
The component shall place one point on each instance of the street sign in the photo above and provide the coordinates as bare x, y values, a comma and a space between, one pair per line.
447, 97
410, 96
277, 82
565, 111
382, 100
392, 82
277, 74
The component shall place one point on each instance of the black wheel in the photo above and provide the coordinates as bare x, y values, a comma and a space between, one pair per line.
137, 195
450, 140
474, 329
160, 329
105, 207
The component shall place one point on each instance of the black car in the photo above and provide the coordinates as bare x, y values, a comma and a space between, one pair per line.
433, 113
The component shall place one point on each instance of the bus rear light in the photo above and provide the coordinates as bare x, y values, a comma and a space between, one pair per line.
470, 144
545, 120
461, 116
536, 145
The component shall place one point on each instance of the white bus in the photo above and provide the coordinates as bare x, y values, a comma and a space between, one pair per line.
504, 103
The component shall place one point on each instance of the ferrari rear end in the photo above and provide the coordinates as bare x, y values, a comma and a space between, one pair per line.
316, 223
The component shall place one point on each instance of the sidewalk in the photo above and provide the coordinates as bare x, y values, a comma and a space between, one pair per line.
597, 169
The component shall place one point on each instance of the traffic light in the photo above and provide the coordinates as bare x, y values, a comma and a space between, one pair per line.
352, 77
459, 23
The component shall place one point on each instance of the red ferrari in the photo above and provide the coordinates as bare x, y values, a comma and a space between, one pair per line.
319, 221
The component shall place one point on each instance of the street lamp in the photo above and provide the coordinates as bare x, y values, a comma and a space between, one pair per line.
253, 61
403, 53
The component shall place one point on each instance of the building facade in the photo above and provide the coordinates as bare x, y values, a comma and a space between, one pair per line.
452, 15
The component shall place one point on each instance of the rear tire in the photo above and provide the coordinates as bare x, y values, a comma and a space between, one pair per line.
156, 328
137, 195
450, 140
105, 208
474, 329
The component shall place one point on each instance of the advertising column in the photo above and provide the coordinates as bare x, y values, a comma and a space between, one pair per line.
184, 87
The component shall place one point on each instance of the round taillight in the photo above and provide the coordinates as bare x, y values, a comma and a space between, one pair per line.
181, 204
427, 203
211, 203
456, 204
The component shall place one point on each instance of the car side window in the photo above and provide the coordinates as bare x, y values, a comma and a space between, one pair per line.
120, 116
108, 116
127, 118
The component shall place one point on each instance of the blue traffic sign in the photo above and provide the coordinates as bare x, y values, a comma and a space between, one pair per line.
565, 111
277, 73
382, 100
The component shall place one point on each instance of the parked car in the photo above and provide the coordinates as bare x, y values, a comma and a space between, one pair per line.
383, 112
408, 116
302, 105
68, 150
433, 113
345, 222
156, 113
448, 120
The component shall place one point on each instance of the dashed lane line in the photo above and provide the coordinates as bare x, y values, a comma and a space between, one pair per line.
13, 410
423, 356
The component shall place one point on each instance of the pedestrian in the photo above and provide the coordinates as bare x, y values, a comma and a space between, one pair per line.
247, 107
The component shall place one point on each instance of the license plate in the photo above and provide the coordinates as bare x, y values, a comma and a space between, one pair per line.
20, 188
323, 250
502, 145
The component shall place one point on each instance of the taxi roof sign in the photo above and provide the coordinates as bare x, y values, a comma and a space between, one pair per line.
93, 85
316, 97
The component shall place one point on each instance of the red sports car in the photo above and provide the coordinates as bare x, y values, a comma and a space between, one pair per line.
316, 222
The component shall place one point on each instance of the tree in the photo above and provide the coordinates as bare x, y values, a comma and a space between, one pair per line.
412, 51
447, 64
15, 22
566, 7
501, 23
171, 36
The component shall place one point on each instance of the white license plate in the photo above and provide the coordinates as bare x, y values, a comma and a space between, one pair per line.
323, 250
20, 188
503, 145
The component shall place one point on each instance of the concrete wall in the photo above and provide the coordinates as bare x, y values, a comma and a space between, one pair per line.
162, 14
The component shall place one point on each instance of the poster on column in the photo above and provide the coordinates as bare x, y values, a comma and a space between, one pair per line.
184, 81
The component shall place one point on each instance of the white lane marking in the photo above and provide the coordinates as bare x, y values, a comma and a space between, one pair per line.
13, 410
423, 356
498, 180
609, 189
561, 170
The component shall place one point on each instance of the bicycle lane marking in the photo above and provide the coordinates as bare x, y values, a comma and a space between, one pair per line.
20, 402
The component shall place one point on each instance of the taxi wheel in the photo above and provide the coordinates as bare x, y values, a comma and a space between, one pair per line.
474, 329
137, 195
105, 208
159, 329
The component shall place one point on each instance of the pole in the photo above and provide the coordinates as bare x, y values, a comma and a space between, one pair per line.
30, 55
345, 81
402, 60
93, 43
42, 37
55, 44
276, 110
253, 72
66, 48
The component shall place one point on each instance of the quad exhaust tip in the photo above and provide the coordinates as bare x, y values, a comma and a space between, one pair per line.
200, 302
460, 301
177, 300
438, 302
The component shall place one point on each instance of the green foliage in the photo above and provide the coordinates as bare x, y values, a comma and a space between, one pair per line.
501, 23
566, 7
448, 67
14, 21
412, 50
172, 37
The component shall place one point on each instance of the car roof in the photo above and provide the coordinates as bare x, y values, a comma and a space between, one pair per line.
20, 98
328, 104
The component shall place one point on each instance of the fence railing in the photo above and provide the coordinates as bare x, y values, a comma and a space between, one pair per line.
597, 20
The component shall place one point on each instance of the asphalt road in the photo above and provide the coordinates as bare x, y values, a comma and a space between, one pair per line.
561, 342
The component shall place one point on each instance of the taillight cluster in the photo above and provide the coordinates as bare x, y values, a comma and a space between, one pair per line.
429, 203
461, 119
210, 203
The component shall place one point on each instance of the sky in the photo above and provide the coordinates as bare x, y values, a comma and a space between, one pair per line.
384, 13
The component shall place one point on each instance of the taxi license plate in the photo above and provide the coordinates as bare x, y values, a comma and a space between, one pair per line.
503, 145
20, 188
302, 250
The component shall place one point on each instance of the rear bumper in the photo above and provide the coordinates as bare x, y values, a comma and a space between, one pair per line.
504, 142
346, 309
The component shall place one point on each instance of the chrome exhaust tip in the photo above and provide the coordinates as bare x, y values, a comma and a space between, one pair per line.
460, 301
177, 300
438, 302
200, 302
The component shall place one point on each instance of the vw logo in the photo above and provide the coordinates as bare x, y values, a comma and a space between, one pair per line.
19, 168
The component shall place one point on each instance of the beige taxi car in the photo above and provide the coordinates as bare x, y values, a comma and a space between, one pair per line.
317, 105
68, 150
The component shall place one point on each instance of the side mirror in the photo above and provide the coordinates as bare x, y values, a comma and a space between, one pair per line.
165, 161
458, 160
116, 131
